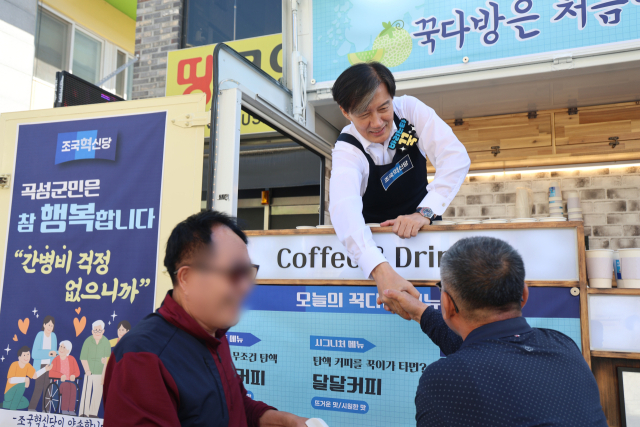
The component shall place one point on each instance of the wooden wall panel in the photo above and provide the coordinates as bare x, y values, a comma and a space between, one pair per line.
606, 374
597, 125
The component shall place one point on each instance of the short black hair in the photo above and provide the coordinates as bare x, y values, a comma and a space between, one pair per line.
48, 319
125, 324
194, 233
355, 87
484, 272
23, 349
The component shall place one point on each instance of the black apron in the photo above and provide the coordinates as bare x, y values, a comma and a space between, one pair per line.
399, 187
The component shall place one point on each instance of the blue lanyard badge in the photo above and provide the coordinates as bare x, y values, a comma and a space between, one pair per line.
404, 165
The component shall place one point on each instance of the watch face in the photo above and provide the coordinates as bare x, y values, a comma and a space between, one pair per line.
426, 212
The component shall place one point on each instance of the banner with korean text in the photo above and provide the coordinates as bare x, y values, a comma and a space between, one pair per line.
81, 256
331, 352
410, 35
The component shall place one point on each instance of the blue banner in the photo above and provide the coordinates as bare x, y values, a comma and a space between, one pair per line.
80, 267
409, 35
331, 352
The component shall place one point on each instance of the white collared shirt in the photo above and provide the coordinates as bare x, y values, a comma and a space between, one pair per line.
350, 173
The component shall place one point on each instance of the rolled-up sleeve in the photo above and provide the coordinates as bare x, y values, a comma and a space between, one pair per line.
346, 188
443, 149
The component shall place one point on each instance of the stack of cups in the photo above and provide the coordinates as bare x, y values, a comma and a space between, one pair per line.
630, 267
600, 268
573, 206
555, 200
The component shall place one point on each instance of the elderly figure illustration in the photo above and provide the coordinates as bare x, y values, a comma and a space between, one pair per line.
93, 356
65, 368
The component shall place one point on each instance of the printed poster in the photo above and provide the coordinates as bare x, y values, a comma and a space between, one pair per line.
330, 352
408, 35
81, 256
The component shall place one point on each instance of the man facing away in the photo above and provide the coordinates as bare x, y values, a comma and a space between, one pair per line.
499, 371
175, 368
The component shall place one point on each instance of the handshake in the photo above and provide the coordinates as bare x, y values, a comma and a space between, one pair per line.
397, 294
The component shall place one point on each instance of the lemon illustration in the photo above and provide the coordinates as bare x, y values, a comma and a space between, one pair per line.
396, 42
365, 56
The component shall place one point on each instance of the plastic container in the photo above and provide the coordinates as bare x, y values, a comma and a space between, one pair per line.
517, 220
552, 219
600, 268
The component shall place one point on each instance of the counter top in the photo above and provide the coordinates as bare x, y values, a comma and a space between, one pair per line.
430, 228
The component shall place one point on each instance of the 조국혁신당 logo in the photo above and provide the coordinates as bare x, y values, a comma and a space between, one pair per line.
88, 144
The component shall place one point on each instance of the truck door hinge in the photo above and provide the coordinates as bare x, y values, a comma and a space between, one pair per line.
5, 180
192, 120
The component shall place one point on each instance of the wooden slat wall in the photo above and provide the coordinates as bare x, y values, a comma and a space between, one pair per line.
597, 125
554, 137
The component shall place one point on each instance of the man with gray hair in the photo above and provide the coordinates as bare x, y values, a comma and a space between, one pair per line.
93, 356
499, 371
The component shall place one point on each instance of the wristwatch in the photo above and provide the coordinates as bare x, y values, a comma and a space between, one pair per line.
427, 213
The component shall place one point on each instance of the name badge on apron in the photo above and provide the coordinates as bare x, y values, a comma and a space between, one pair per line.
396, 172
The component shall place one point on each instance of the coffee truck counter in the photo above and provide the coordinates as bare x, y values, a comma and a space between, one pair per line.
316, 313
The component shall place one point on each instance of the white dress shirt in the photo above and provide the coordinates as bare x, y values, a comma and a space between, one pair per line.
350, 173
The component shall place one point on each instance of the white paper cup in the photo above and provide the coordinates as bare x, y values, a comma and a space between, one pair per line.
305, 227
600, 267
573, 199
443, 222
616, 269
578, 210
494, 221
373, 225
324, 226
630, 267
552, 219
576, 218
470, 221
524, 220
555, 199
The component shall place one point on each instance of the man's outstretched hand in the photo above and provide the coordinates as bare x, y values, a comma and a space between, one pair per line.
387, 279
412, 306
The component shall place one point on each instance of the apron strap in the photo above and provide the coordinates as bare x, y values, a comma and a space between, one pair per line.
396, 120
350, 139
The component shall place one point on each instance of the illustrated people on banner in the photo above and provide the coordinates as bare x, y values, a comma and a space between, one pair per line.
18, 380
44, 350
65, 368
123, 327
93, 356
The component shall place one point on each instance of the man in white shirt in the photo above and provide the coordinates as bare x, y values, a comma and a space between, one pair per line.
379, 172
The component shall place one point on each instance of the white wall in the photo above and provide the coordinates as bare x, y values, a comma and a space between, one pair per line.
17, 50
